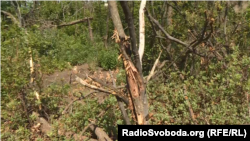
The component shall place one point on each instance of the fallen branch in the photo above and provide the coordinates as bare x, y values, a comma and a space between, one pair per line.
75, 22
102, 83
44, 126
101, 135
106, 85
153, 68
162, 29
93, 122
100, 89
12, 17
121, 104
71, 23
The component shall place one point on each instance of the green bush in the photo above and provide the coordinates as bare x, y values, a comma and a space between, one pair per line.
108, 59
121, 77
217, 95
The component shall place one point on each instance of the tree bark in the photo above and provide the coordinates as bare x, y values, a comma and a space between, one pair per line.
101, 135
90, 31
116, 18
131, 27
142, 29
169, 15
107, 30
134, 79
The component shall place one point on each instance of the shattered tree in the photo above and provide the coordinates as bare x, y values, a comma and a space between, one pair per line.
137, 92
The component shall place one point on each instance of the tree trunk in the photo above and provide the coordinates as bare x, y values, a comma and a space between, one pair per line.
134, 78
107, 31
131, 27
90, 30
142, 29
169, 15
116, 18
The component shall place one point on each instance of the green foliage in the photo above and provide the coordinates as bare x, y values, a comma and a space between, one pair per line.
121, 77
217, 96
217, 91
108, 59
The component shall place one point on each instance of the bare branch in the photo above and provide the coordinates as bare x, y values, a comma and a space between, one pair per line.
121, 105
102, 83
165, 33
74, 22
93, 122
102, 90
101, 135
153, 68
12, 17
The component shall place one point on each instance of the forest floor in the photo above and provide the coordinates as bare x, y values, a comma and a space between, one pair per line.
66, 77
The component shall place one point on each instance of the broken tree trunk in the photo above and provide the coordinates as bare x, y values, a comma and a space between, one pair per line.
134, 78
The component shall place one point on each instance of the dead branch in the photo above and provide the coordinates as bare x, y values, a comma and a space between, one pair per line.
201, 39
93, 122
101, 135
192, 44
75, 22
12, 17
225, 21
184, 89
71, 23
46, 128
120, 103
101, 89
153, 68
102, 83
162, 29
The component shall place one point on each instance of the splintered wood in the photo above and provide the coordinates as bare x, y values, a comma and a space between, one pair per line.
116, 36
134, 80
130, 71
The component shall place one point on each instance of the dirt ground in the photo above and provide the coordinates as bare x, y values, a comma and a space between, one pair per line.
67, 77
